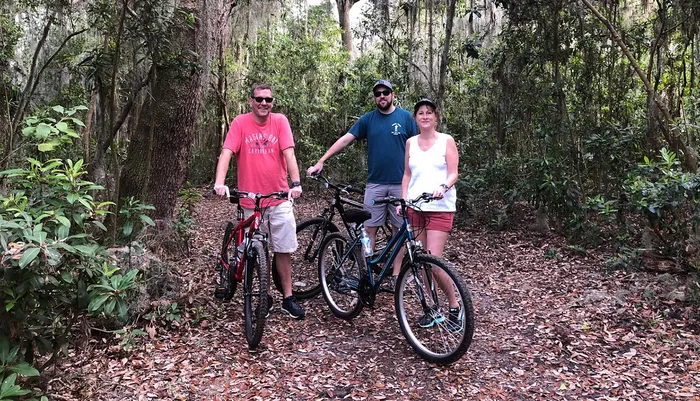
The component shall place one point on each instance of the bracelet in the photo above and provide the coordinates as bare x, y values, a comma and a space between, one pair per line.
445, 186
296, 184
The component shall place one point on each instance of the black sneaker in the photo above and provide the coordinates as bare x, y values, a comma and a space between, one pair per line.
454, 322
431, 317
292, 307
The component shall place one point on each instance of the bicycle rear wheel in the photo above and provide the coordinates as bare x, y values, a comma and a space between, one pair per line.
310, 234
227, 283
436, 332
255, 293
340, 270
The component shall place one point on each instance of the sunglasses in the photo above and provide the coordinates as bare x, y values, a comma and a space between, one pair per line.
385, 92
260, 99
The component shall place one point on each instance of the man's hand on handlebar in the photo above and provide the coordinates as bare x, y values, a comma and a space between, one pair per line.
294, 192
315, 169
221, 190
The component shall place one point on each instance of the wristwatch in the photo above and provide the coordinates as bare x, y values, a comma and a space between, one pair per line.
445, 186
296, 184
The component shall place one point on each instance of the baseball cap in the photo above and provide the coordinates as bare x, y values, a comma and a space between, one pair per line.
422, 102
383, 82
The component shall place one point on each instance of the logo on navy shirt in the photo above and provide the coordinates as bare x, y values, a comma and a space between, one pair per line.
397, 127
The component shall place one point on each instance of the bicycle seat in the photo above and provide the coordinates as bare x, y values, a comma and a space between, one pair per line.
357, 215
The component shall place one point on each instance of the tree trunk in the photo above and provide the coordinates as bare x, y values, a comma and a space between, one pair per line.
158, 155
344, 7
445, 59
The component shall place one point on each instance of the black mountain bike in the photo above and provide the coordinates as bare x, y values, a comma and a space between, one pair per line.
311, 232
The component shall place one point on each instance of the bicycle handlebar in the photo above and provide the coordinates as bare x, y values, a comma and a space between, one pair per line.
346, 188
393, 200
234, 194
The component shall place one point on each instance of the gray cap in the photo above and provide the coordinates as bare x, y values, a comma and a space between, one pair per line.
383, 82
422, 102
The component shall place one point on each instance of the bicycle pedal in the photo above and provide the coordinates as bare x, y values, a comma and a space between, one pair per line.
220, 293
218, 267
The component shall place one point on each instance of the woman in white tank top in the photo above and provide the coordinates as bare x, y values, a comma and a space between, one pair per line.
431, 162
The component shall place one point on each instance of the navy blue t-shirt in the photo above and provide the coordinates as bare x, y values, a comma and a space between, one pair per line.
386, 136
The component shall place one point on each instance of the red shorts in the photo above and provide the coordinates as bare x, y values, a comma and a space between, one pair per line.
438, 221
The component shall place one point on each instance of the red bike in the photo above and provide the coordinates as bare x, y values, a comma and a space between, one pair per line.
244, 257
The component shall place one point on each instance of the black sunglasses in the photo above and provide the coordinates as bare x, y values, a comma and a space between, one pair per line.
259, 99
385, 92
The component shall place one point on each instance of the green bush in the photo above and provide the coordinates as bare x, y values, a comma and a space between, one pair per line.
52, 266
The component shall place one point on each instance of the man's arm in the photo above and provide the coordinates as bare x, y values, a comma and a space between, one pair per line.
338, 146
293, 170
221, 170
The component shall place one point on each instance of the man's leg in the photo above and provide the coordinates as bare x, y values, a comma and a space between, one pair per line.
284, 268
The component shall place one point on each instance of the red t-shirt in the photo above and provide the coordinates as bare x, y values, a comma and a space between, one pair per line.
262, 167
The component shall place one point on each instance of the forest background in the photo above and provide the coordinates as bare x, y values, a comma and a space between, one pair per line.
583, 113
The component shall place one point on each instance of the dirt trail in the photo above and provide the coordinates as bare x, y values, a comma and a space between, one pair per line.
550, 325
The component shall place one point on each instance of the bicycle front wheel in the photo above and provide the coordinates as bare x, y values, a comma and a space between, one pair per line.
340, 270
434, 309
255, 293
310, 234
227, 282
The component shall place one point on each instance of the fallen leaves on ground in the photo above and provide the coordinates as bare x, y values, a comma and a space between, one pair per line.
547, 328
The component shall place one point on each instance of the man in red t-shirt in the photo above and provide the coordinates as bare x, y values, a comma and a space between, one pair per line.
264, 147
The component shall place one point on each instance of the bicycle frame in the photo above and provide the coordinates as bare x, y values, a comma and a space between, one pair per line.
387, 255
337, 203
253, 224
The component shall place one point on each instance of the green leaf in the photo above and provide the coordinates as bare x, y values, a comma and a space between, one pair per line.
10, 389
109, 306
43, 130
46, 147
96, 303
62, 126
24, 369
59, 109
147, 220
128, 228
71, 198
66, 276
28, 257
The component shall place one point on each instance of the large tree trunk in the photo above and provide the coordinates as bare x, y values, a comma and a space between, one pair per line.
344, 7
158, 156
445, 57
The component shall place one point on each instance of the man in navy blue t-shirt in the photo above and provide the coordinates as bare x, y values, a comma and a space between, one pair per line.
386, 130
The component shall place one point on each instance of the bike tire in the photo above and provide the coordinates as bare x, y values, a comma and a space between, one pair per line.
227, 282
340, 276
305, 283
255, 293
449, 336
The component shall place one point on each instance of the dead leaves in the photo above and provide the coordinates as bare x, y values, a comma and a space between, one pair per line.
547, 329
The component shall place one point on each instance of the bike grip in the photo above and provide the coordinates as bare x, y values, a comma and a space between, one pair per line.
355, 190
381, 201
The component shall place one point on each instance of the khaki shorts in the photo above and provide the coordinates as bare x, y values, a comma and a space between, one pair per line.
279, 223
381, 212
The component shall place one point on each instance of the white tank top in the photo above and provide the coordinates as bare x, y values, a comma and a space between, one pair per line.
428, 171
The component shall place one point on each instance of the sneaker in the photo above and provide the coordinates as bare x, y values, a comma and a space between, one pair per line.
292, 307
431, 317
270, 301
388, 285
454, 322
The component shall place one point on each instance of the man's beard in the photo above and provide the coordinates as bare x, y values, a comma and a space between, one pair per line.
384, 108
